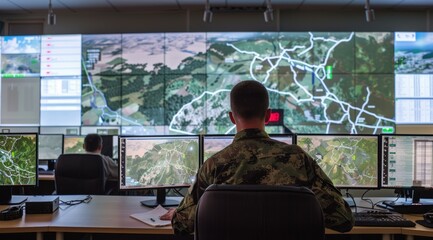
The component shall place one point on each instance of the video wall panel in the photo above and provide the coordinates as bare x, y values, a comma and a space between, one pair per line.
179, 83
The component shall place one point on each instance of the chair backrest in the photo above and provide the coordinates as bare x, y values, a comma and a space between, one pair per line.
258, 212
80, 174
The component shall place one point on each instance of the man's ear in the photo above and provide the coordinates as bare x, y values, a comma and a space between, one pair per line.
267, 115
232, 118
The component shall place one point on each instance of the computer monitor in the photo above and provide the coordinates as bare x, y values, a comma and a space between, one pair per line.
18, 165
50, 146
158, 162
407, 161
110, 146
74, 144
214, 143
350, 161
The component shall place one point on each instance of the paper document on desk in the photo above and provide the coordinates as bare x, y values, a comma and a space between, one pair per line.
152, 217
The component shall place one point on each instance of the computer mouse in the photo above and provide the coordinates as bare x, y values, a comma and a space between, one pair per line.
428, 217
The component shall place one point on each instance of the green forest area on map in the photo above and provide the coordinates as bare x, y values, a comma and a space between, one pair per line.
18, 160
324, 82
165, 163
347, 161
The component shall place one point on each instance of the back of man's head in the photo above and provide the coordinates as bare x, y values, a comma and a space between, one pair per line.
92, 142
249, 99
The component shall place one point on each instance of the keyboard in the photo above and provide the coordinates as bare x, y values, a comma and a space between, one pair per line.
381, 220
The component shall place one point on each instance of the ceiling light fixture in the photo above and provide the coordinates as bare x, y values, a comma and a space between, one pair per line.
369, 13
207, 16
269, 12
51, 15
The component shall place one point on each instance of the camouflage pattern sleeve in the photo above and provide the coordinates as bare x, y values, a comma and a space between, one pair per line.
183, 218
337, 213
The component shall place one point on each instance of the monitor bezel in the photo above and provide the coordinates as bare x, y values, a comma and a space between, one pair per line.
381, 161
36, 161
379, 156
131, 188
51, 134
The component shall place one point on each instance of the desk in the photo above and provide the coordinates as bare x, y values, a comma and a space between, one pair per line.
111, 214
106, 214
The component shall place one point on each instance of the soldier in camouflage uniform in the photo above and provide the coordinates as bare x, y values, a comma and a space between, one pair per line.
254, 158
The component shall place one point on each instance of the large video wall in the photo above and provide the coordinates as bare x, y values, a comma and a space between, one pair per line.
178, 83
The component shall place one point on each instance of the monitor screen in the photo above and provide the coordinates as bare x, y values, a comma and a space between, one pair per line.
19, 159
110, 146
407, 160
215, 143
350, 161
50, 146
73, 144
158, 161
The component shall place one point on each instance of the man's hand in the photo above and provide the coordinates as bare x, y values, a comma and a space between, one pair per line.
169, 215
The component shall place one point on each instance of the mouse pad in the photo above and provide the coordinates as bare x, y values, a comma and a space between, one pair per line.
424, 223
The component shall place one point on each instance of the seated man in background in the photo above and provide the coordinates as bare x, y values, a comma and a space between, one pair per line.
254, 158
93, 144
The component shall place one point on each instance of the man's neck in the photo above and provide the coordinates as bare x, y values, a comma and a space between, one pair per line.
242, 125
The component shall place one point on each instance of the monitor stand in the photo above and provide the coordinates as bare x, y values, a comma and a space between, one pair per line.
160, 200
6, 197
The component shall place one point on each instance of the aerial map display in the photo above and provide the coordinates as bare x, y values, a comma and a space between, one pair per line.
159, 162
73, 144
349, 161
18, 159
178, 83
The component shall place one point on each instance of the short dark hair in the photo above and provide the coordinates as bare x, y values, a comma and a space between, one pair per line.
249, 99
92, 142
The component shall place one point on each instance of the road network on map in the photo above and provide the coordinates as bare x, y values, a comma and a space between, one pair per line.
161, 163
326, 99
324, 82
347, 161
17, 161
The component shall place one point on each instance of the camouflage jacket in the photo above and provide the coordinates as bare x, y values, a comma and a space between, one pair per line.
254, 158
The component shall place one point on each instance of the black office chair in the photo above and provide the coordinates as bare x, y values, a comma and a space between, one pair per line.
80, 174
254, 212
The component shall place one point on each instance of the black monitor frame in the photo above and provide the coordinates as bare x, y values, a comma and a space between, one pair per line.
378, 165
161, 189
6, 189
107, 145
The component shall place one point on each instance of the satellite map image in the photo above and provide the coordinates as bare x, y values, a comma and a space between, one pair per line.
161, 162
18, 160
348, 161
325, 82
